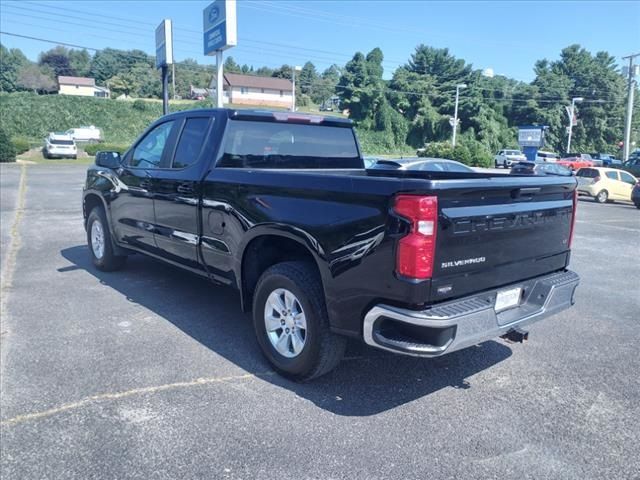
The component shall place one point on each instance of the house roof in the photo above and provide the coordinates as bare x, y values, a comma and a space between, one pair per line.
254, 81
82, 81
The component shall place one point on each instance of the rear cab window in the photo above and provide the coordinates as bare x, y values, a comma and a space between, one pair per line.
190, 142
266, 144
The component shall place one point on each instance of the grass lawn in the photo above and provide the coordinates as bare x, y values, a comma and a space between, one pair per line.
35, 156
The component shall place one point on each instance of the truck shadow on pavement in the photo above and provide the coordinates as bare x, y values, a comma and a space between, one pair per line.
367, 382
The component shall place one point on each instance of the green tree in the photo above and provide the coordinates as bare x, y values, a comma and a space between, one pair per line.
10, 63
124, 84
7, 149
80, 62
230, 66
34, 78
307, 78
58, 60
110, 62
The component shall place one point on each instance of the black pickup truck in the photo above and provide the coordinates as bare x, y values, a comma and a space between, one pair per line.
280, 207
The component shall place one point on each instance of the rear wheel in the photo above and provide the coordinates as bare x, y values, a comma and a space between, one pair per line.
602, 196
99, 240
291, 322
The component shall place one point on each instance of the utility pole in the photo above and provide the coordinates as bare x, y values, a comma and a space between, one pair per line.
571, 117
455, 113
293, 92
630, 92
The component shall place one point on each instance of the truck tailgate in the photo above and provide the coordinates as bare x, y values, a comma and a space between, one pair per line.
500, 230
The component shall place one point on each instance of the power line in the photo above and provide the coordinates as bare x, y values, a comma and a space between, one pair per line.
203, 69
49, 41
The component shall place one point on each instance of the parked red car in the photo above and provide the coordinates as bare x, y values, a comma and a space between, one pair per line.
576, 161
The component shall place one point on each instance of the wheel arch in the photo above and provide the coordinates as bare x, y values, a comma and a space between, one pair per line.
267, 248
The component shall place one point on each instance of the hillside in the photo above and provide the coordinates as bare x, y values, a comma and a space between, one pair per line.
34, 116
31, 116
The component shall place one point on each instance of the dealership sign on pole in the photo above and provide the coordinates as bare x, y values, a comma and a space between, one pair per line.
164, 44
220, 29
164, 58
531, 138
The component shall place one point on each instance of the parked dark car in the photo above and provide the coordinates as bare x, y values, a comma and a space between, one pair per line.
279, 206
535, 168
635, 195
632, 165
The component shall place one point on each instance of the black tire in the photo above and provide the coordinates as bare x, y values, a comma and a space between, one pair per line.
109, 261
45, 154
602, 196
75, 157
322, 349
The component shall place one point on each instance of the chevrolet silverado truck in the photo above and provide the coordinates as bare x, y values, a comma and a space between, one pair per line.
279, 206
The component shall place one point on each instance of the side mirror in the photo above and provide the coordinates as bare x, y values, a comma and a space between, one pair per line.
108, 159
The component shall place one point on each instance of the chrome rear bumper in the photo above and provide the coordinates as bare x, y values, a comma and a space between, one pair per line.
464, 322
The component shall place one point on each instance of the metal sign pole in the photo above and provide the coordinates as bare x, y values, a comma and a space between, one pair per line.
165, 90
219, 79
220, 31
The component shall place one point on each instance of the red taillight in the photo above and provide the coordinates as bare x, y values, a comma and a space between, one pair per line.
573, 216
416, 251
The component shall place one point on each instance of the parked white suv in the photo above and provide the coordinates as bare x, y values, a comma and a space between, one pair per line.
506, 158
548, 157
59, 145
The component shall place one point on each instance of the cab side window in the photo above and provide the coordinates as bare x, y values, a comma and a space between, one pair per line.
191, 141
626, 178
612, 175
148, 153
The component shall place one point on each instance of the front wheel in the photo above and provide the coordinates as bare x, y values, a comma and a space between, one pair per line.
602, 196
99, 240
291, 322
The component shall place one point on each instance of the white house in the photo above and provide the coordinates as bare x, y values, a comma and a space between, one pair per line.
81, 86
254, 90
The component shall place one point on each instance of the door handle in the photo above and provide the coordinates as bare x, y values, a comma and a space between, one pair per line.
185, 188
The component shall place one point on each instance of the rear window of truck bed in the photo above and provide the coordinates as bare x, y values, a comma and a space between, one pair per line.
255, 144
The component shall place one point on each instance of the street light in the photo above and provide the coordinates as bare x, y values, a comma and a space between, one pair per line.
571, 116
455, 112
297, 68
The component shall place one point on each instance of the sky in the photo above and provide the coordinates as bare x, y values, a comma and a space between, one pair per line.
505, 36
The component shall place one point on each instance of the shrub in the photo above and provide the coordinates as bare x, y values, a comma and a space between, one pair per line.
470, 152
437, 150
21, 144
92, 148
140, 105
7, 150
374, 143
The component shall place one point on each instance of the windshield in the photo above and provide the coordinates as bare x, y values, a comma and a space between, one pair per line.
60, 142
288, 145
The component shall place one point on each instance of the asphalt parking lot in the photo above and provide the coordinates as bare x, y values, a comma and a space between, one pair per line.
153, 373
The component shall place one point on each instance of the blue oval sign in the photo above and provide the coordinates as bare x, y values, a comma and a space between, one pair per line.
214, 13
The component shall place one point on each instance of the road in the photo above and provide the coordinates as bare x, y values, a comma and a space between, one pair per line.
152, 373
